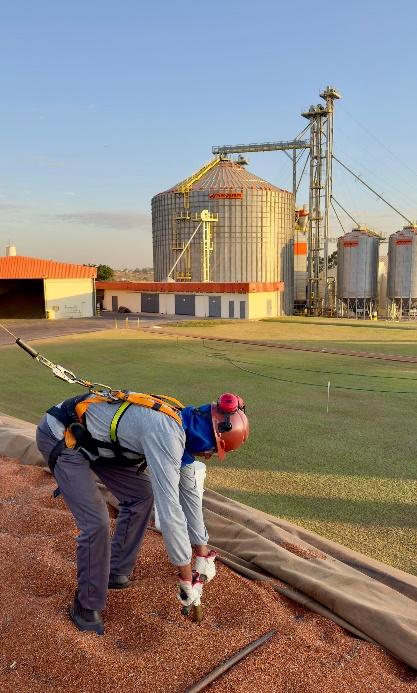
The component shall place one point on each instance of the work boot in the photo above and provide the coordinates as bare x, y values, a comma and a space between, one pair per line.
119, 582
86, 619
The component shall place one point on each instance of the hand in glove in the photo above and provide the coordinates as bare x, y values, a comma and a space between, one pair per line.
189, 592
205, 566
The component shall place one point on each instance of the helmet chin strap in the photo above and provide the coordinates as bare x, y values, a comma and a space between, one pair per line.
206, 455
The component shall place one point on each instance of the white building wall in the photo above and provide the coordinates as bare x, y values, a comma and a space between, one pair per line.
129, 299
107, 300
69, 298
236, 298
257, 305
163, 304
201, 305
167, 304
264, 305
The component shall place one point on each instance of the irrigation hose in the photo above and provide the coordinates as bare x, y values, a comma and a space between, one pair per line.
229, 663
220, 354
232, 362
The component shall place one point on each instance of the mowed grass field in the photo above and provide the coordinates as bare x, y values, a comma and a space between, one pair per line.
349, 474
356, 335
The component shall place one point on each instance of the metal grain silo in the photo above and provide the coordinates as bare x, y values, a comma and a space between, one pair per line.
357, 273
251, 235
300, 259
402, 273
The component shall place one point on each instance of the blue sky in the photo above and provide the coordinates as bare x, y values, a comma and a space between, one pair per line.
104, 104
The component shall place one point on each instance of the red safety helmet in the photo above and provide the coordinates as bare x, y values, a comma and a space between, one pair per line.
230, 423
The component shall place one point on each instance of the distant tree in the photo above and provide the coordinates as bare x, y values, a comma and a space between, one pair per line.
332, 260
104, 273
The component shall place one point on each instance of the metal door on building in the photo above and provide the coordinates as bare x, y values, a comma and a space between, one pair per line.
184, 304
149, 303
269, 307
231, 309
115, 303
242, 310
215, 306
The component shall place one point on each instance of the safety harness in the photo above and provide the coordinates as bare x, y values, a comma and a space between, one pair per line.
72, 414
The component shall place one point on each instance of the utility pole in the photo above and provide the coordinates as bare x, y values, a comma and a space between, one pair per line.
320, 196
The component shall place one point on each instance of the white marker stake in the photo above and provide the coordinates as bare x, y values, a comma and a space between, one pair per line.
328, 395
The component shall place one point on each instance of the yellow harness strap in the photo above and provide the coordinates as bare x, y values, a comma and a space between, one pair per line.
154, 402
116, 418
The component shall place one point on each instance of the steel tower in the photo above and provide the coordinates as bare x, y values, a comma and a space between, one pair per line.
320, 196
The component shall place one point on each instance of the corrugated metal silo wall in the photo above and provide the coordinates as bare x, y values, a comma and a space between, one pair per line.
402, 265
253, 238
357, 266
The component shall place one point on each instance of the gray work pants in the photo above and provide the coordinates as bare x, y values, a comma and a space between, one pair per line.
96, 558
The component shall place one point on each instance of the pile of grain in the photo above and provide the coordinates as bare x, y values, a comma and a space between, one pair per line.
148, 645
307, 554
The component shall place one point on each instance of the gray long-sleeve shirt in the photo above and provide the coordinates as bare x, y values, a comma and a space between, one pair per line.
162, 441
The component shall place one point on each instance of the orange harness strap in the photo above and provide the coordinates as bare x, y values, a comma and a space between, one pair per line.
157, 403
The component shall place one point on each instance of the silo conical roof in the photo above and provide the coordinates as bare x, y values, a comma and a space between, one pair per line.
228, 175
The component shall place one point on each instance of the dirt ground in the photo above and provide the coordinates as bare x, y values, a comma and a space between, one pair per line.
148, 645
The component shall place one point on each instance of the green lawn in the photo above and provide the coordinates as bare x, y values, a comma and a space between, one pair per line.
350, 474
357, 335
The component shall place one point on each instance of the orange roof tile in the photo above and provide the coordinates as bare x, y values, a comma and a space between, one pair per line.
21, 267
193, 287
